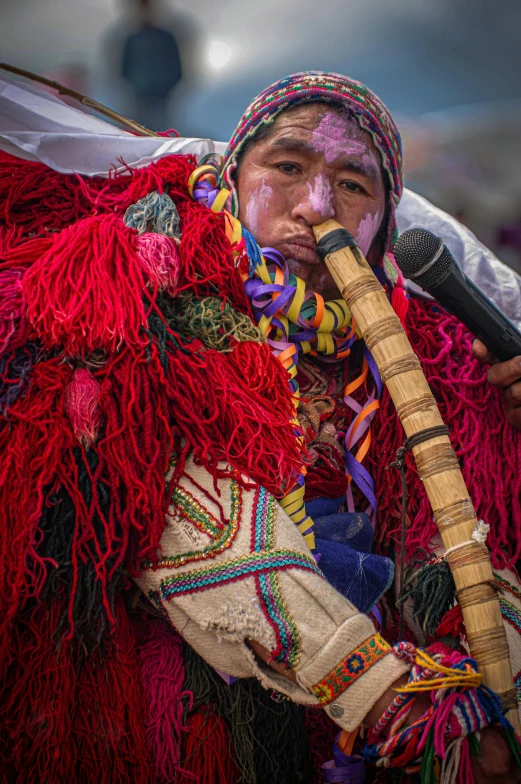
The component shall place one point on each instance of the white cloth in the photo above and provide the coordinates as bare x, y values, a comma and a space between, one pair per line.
38, 126
494, 278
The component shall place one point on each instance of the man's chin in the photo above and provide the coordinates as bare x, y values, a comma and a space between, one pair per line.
317, 280
298, 268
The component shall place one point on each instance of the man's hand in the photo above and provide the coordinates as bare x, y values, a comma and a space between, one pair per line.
506, 376
494, 764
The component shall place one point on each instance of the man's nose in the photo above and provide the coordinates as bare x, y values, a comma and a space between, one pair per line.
316, 204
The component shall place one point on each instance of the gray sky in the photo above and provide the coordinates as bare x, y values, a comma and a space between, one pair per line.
418, 55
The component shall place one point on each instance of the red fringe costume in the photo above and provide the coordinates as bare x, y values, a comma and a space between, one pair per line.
97, 390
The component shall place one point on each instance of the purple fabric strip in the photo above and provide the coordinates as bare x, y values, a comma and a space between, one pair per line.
343, 768
229, 679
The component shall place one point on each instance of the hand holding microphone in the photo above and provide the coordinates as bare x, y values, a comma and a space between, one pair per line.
424, 259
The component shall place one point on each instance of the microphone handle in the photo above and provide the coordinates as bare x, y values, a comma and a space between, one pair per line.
459, 295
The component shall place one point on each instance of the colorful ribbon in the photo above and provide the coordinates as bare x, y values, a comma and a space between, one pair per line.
296, 322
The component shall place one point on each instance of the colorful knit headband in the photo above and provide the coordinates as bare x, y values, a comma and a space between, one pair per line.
312, 86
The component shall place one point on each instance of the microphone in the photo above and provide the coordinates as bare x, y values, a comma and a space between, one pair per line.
424, 259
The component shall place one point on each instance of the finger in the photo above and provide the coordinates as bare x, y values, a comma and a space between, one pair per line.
512, 395
505, 373
514, 416
481, 353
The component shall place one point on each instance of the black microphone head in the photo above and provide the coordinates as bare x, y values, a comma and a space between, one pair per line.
414, 251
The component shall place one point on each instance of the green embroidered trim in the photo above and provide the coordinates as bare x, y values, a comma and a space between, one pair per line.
506, 586
239, 568
196, 513
203, 520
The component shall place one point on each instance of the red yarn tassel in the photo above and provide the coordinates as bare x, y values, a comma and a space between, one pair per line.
14, 327
206, 256
36, 447
109, 721
134, 454
162, 674
36, 199
207, 757
86, 292
81, 406
237, 408
19, 252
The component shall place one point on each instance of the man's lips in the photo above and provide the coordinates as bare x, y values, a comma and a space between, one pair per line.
301, 250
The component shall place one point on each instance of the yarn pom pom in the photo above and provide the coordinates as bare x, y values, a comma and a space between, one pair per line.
86, 291
14, 327
160, 260
81, 406
156, 212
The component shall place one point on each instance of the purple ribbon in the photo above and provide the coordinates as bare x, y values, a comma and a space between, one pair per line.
361, 477
343, 769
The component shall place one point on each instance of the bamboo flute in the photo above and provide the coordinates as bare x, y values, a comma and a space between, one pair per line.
436, 462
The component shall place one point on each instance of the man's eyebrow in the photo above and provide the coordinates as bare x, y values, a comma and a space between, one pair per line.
349, 163
292, 145
365, 168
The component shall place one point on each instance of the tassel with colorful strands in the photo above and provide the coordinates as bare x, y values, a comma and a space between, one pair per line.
436, 746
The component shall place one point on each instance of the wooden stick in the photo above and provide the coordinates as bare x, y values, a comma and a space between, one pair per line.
437, 465
83, 99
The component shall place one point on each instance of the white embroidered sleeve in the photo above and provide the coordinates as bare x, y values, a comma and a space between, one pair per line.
246, 574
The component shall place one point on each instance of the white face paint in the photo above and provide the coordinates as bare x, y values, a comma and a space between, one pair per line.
366, 231
257, 204
321, 196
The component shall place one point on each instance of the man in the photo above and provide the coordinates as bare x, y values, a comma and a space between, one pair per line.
234, 574
293, 163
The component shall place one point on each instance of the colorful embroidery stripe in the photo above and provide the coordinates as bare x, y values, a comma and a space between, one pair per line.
287, 650
223, 539
229, 571
196, 513
510, 613
263, 515
517, 685
350, 669
506, 586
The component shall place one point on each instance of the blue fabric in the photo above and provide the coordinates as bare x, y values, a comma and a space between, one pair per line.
344, 541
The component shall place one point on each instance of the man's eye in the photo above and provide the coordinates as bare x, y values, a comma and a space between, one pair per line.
352, 187
288, 168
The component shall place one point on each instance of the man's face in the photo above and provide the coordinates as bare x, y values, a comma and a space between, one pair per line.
315, 164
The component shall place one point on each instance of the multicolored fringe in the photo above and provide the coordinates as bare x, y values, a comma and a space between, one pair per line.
437, 744
97, 390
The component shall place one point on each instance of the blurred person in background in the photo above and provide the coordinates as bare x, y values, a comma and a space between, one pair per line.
151, 64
